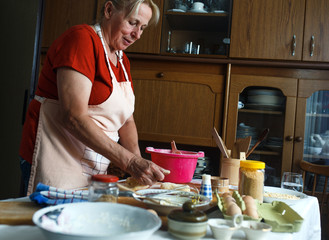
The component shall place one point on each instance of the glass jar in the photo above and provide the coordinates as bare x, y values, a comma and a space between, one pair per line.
219, 185
103, 188
251, 179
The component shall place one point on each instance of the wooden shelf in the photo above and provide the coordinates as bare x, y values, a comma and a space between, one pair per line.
260, 111
203, 22
323, 115
316, 156
264, 152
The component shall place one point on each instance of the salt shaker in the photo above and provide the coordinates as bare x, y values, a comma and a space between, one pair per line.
206, 186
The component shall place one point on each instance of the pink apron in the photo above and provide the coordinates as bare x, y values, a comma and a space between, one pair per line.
59, 159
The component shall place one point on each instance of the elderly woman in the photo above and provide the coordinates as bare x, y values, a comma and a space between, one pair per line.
82, 116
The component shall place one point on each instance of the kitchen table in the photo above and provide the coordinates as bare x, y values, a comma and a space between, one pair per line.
307, 208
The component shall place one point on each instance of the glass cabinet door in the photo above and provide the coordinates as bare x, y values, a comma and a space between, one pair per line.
261, 108
196, 27
316, 137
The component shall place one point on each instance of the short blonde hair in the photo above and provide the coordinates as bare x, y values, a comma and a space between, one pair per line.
131, 7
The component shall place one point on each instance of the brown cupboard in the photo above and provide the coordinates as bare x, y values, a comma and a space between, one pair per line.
280, 30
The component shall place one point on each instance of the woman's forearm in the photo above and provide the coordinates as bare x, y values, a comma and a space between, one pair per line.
129, 136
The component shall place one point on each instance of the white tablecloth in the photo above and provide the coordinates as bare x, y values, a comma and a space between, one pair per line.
307, 208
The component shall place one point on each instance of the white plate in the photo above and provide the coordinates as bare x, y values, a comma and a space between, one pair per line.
198, 11
178, 197
176, 10
219, 11
283, 191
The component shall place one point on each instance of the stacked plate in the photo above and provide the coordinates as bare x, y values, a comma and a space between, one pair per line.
274, 143
267, 99
244, 131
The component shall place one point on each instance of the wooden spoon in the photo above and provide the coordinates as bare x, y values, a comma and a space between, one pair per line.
220, 143
260, 139
244, 145
174, 148
241, 145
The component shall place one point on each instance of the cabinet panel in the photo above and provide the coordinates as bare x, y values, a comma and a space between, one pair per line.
265, 29
276, 151
62, 14
316, 25
177, 105
306, 88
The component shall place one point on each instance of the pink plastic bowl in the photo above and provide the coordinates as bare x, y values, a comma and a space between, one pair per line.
181, 166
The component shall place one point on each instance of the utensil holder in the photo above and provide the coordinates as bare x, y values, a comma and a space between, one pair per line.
230, 169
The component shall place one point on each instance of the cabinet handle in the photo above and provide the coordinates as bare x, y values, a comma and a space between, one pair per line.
160, 75
289, 138
312, 46
298, 139
293, 46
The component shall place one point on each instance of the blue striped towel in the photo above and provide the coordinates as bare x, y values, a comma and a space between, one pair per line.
47, 195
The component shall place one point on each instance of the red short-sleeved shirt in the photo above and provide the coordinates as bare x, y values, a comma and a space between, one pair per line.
81, 49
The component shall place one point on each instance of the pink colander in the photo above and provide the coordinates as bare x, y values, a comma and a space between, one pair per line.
181, 166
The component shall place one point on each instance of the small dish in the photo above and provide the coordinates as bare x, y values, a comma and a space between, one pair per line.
255, 230
279, 194
223, 229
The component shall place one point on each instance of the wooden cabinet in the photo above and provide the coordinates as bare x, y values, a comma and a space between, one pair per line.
286, 143
186, 31
180, 101
59, 15
279, 121
267, 29
316, 31
62, 14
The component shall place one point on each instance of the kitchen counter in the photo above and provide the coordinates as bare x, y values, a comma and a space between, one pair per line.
307, 208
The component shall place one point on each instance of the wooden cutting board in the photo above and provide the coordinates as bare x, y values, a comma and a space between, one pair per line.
17, 213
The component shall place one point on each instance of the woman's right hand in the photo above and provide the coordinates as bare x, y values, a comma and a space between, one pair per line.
145, 171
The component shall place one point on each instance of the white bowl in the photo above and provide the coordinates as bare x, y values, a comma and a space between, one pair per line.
187, 230
97, 221
255, 230
222, 229
314, 150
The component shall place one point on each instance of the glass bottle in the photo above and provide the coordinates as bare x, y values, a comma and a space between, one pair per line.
103, 188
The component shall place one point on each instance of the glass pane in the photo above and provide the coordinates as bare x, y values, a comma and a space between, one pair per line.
261, 108
196, 27
316, 138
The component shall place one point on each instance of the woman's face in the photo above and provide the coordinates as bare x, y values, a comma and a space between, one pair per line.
125, 31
